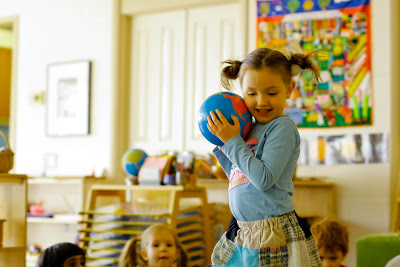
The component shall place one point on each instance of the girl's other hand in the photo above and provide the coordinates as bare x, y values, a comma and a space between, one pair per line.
221, 127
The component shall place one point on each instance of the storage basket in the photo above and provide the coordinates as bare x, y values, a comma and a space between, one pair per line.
6, 157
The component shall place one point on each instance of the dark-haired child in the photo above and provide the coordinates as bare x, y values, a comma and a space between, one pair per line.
62, 255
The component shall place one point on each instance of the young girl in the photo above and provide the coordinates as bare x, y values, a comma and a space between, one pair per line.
265, 230
62, 255
159, 247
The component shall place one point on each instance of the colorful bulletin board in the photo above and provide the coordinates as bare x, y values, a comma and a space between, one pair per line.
340, 30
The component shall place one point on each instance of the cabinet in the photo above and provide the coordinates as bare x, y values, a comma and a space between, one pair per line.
314, 198
176, 64
13, 195
62, 196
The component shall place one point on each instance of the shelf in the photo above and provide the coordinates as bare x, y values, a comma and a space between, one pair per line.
147, 187
6, 178
62, 180
312, 182
11, 249
61, 219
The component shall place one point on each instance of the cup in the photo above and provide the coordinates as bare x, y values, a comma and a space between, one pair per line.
169, 179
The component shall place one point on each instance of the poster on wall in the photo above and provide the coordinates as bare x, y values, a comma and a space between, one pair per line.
340, 31
344, 149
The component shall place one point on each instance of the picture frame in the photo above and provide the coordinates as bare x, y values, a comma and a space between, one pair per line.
68, 98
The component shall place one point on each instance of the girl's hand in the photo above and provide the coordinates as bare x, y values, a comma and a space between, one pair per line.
221, 127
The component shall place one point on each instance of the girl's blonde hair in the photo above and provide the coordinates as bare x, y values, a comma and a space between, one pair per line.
268, 58
129, 258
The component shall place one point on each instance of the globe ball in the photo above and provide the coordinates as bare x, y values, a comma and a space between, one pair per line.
132, 160
229, 104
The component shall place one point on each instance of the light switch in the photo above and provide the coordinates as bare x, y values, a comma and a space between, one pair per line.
37, 98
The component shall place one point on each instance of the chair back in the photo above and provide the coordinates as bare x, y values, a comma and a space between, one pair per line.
375, 250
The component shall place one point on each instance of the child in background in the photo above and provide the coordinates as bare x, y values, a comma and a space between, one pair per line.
265, 230
159, 247
62, 255
332, 240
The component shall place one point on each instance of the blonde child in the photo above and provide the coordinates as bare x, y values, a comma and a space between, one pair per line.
62, 255
159, 247
265, 230
332, 240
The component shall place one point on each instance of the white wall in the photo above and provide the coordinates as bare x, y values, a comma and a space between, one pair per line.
56, 31
363, 191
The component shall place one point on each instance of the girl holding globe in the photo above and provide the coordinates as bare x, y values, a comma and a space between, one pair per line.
265, 230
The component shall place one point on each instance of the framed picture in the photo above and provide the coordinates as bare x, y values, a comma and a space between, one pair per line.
68, 98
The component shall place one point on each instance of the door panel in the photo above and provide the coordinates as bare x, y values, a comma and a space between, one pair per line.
157, 82
213, 36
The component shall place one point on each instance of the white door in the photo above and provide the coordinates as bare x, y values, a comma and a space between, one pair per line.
157, 64
213, 36
176, 65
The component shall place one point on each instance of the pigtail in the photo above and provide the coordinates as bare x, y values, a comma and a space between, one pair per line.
128, 257
305, 62
230, 72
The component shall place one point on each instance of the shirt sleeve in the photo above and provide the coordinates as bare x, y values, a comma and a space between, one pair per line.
280, 144
223, 160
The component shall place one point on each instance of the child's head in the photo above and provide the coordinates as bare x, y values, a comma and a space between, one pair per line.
265, 76
332, 239
62, 255
159, 247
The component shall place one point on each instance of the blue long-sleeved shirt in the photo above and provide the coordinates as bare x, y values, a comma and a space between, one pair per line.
261, 169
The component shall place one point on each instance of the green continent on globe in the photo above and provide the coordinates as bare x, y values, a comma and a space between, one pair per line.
134, 157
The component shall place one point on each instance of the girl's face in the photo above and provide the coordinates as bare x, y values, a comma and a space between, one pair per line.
265, 94
331, 259
74, 261
161, 250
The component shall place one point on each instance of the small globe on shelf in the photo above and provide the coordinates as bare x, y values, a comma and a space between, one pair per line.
132, 160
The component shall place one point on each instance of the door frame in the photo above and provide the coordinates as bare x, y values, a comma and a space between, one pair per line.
13, 21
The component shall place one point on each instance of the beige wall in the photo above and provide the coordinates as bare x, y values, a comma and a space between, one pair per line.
60, 31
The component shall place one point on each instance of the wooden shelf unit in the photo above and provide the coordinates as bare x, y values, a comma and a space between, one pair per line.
184, 208
13, 196
64, 197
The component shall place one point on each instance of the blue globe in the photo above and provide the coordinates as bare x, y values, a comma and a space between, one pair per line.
132, 160
229, 104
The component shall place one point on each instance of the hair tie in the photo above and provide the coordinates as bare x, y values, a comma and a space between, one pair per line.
295, 69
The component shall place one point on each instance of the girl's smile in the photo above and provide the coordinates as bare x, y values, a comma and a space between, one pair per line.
263, 112
265, 94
